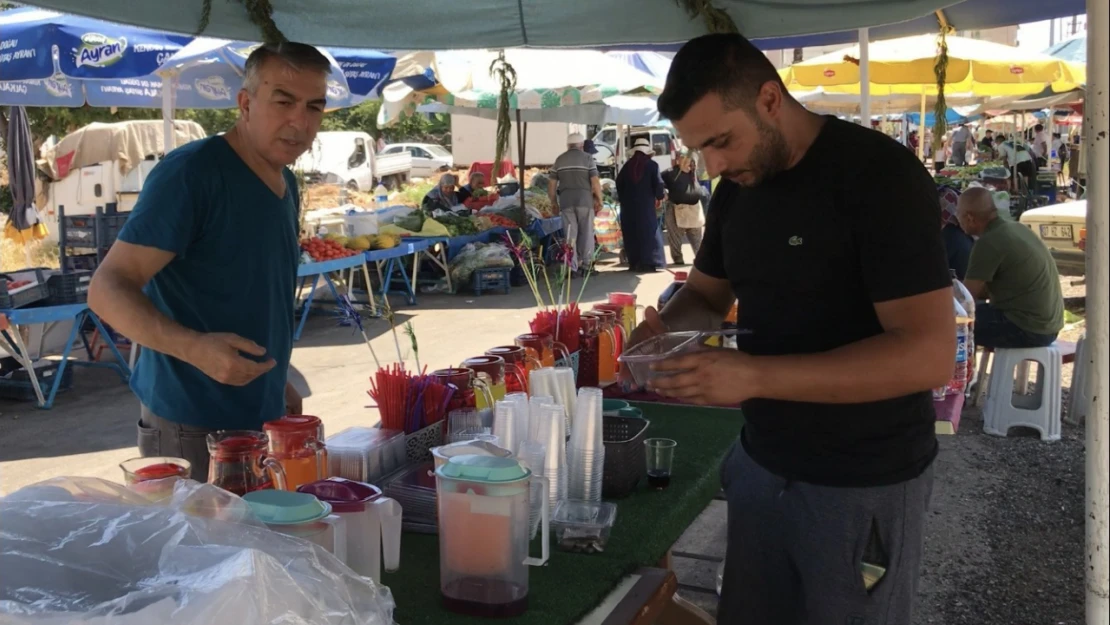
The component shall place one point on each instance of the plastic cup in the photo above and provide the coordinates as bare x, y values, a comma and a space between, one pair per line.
659, 455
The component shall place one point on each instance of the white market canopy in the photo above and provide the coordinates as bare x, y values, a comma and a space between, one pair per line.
580, 86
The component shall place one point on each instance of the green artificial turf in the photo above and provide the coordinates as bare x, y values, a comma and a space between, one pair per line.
648, 523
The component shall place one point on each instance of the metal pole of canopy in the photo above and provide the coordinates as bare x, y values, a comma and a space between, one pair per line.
169, 88
921, 128
1095, 136
864, 79
521, 139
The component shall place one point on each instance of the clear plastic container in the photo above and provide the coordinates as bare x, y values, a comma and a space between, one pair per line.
365, 454
583, 526
640, 357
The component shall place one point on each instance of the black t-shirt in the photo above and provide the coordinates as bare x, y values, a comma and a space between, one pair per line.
808, 253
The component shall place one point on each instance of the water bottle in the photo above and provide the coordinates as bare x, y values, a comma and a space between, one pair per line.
381, 196
967, 303
958, 383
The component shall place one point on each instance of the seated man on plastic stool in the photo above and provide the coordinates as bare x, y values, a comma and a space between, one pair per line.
1014, 272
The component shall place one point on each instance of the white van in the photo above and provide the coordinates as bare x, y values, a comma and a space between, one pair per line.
663, 143
348, 158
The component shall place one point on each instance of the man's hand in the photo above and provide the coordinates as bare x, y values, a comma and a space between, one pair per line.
293, 402
220, 357
712, 377
597, 206
652, 325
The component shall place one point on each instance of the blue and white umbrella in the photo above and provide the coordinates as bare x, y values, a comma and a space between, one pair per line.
36, 44
209, 73
46, 92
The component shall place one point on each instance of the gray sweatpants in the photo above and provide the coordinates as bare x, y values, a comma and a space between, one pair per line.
578, 225
795, 550
162, 437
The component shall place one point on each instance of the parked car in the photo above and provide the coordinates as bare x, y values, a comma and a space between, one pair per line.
1063, 228
663, 143
347, 158
427, 158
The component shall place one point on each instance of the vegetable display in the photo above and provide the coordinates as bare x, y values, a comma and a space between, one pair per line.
323, 249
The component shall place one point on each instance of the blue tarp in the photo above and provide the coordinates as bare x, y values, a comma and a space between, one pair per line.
951, 117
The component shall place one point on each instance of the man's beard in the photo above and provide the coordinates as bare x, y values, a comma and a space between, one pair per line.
769, 157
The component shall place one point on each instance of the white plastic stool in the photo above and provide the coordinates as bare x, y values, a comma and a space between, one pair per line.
1079, 399
1040, 411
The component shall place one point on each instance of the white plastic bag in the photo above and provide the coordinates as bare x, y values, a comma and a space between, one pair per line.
91, 551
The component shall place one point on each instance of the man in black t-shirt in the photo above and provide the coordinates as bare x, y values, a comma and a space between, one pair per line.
827, 235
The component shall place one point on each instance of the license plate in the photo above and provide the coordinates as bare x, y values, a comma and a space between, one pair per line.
1056, 232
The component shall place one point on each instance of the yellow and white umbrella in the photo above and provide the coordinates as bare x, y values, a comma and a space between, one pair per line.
906, 67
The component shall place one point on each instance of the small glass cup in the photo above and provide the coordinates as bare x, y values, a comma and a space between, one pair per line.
660, 460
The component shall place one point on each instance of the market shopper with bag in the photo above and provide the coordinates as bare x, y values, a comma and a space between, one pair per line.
848, 308
684, 218
203, 274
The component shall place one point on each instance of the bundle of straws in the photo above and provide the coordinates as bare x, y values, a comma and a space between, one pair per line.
408, 402
560, 318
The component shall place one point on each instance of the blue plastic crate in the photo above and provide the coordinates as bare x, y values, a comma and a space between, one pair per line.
495, 279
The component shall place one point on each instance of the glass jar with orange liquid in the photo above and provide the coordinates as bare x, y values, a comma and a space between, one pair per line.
543, 348
607, 345
297, 443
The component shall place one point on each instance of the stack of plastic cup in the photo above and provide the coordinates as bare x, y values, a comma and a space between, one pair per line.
533, 455
542, 381
553, 424
586, 451
536, 407
505, 424
563, 392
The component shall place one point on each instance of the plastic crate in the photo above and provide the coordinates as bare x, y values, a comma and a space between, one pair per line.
96, 231
68, 287
17, 386
23, 296
80, 262
495, 279
625, 464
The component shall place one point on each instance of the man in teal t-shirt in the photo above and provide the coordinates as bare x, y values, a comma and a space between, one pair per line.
203, 274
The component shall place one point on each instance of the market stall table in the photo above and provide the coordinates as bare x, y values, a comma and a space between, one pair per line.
324, 269
13, 318
648, 523
387, 261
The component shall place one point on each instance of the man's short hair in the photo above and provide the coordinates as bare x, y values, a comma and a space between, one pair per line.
299, 56
726, 64
1038, 127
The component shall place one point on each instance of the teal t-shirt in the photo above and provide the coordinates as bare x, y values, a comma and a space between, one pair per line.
234, 270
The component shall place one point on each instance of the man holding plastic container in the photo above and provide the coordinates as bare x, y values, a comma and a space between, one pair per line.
843, 290
204, 272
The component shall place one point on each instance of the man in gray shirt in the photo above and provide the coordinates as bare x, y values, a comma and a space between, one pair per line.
961, 140
575, 192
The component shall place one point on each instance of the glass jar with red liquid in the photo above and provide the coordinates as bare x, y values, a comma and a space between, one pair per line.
589, 350
297, 442
542, 347
240, 462
517, 366
467, 384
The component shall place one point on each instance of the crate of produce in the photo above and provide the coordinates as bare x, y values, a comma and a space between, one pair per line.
68, 287
80, 262
16, 385
22, 288
625, 464
495, 279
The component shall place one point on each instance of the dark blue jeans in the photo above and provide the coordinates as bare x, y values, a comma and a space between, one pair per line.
994, 329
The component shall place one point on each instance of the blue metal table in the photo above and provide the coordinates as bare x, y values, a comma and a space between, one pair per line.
78, 313
324, 269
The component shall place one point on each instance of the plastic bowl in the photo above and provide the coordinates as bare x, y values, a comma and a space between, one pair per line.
640, 357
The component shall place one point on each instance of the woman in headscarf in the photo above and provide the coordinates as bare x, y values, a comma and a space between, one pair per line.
640, 191
477, 181
443, 196
956, 242
683, 214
